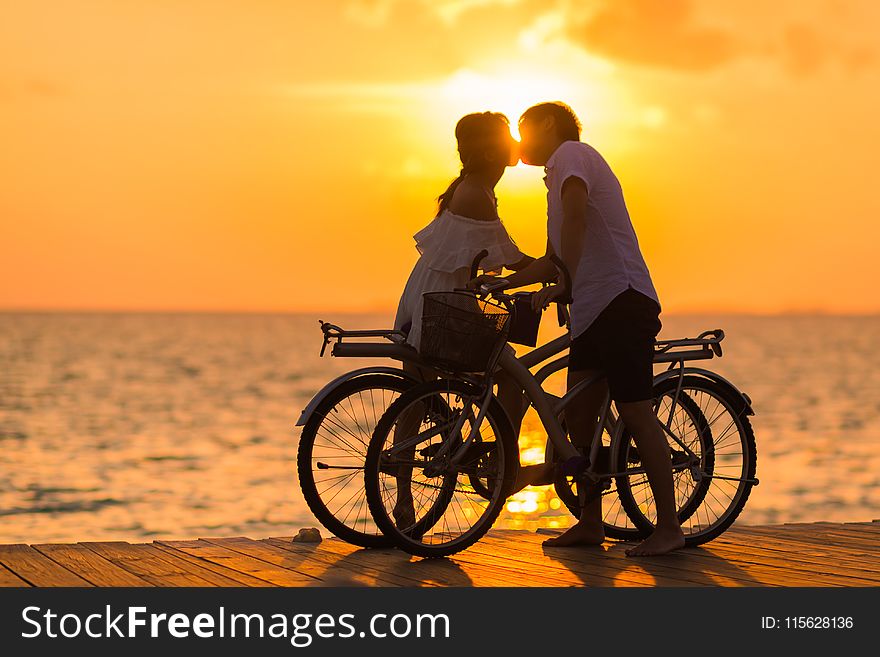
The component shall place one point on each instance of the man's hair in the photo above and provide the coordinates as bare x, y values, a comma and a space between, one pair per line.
567, 125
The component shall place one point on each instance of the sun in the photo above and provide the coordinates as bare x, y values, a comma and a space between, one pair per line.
510, 93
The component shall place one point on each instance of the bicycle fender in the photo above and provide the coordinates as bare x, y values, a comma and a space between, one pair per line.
712, 376
322, 394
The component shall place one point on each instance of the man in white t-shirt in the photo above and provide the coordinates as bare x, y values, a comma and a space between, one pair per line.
614, 311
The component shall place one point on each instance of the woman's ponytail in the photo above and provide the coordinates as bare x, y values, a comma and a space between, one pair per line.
444, 198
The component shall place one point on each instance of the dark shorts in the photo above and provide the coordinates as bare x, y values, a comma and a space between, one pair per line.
620, 342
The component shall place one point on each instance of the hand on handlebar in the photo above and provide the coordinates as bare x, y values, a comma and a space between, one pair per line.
545, 296
486, 281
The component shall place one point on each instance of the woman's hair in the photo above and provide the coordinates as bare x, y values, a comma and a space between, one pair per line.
567, 125
479, 135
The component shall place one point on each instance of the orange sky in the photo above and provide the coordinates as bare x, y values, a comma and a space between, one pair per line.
277, 155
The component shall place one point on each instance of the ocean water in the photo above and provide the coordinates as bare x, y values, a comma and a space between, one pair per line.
144, 426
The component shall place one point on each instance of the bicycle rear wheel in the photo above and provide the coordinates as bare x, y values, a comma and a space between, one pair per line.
332, 450
452, 504
710, 418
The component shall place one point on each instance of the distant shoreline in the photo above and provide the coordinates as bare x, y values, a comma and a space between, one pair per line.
324, 313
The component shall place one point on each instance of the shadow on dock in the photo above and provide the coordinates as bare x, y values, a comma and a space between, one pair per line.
806, 554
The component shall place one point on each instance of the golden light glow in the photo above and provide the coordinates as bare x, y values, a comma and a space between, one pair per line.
508, 93
175, 156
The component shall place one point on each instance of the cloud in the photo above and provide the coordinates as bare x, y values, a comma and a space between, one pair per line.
377, 13
659, 34
805, 50
668, 35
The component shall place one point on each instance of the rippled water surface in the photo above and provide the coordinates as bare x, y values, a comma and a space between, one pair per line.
140, 426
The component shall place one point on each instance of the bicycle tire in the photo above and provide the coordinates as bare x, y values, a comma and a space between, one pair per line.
349, 530
620, 532
732, 402
412, 542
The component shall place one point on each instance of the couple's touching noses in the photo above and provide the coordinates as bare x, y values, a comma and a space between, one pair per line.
614, 307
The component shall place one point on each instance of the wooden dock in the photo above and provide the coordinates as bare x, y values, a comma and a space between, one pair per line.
809, 554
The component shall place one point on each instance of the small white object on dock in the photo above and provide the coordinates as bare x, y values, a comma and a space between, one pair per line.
307, 535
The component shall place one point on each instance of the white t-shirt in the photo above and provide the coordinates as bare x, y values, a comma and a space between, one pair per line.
611, 260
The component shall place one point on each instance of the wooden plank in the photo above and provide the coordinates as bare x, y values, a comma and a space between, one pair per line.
611, 561
803, 553
217, 575
703, 561
440, 572
430, 572
873, 527
657, 570
867, 536
299, 561
787, 552
246, 564
136, 559
37, 569
854, 549
10, 579
348, 567
526, 572
811, 543
88, 565
593, 565
463, 571
530, 568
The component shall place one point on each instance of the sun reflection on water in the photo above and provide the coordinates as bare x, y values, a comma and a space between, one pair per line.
534, 506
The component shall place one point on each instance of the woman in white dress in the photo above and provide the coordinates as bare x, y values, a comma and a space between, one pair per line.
466, 223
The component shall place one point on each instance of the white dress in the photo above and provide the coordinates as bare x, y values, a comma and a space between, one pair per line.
448, 246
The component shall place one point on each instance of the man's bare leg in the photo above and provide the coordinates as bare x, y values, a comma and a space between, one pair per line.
581, 418
653, 449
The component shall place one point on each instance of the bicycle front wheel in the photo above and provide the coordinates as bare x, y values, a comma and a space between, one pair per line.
428, 491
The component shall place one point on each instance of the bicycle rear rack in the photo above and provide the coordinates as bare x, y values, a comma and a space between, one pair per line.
674, 351
333, 332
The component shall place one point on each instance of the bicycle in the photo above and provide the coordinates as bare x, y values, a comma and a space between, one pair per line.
338, 423
459, 472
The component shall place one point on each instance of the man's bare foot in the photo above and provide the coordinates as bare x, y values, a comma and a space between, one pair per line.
540, 474
578, 534
660, 541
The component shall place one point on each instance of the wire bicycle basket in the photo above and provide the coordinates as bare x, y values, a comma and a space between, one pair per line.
461, 332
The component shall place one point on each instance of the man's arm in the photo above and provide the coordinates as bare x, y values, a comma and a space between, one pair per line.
574, 227
574, 223
521, 264
540, 269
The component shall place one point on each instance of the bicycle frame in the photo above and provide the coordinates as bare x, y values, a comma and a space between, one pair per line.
548, 406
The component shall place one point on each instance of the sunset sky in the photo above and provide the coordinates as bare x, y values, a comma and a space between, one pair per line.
277, 155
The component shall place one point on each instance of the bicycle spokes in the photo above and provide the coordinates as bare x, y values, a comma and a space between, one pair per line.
711, 462
440, 483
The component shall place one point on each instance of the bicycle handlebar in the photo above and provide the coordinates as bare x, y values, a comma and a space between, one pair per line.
475, 265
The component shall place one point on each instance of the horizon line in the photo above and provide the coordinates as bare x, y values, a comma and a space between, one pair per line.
376, 311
